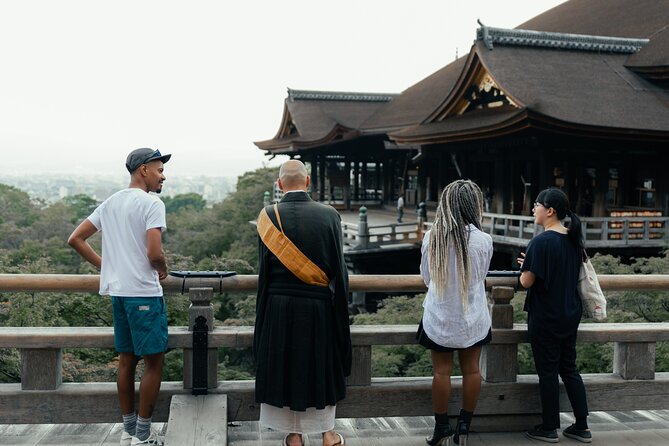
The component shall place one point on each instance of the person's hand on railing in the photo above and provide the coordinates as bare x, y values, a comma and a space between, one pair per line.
520, 260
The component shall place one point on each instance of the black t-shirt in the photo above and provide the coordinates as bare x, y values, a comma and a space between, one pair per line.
553, 301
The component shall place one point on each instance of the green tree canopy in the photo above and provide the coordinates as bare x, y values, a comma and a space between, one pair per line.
190, 201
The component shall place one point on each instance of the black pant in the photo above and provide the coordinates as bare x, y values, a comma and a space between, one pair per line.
553, 355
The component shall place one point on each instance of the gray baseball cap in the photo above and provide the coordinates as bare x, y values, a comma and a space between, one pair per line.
142, 156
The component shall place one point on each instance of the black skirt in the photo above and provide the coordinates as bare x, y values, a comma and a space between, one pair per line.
299, 364
429, 344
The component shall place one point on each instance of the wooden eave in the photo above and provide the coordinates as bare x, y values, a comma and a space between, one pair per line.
514, 124
529, 119
337, 133
546, 123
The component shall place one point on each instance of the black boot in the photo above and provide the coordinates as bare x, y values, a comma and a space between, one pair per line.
442, 431
462, 428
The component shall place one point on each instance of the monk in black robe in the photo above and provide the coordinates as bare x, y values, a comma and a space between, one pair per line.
302, 342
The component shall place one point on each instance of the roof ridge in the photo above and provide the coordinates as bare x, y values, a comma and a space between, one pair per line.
315, 95
546, 39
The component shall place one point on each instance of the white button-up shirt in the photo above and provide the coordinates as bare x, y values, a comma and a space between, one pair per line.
445, 320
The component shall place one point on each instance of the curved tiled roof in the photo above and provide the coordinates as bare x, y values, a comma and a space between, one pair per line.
417, 102
573, 66
616, 18
320, 117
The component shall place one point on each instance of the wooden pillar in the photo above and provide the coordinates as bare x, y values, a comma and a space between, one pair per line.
321, 175
363, 181
200, 306
361, 366
377, 181
347, 186
626, 179
314, 177
662, 187
41, 368
441, 175
544, 173
356, 180
386, 180
601, 189
499, 362
500, 194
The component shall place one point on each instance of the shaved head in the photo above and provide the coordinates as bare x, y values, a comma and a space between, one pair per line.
293, 176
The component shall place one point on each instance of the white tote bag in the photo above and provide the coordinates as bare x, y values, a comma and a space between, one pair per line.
594, 302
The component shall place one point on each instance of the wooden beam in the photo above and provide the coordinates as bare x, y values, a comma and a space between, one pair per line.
385, 397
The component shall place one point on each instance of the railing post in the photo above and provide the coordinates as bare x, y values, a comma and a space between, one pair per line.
200, 307
634, 360
422, 218
363, 230
499, 363
626, 231
361, 367
646, 230
41, 368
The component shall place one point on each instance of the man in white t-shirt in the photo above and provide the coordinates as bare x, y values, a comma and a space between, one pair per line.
131, 267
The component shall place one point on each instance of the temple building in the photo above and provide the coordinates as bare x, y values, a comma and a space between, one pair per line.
575, 98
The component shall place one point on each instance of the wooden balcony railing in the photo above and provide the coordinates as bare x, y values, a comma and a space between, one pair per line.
600, 232
517, 230
508, 401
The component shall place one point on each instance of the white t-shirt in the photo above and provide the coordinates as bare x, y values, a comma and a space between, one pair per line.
445, 320
123, 220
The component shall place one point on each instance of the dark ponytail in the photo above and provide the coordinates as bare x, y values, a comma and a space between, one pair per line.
556, 199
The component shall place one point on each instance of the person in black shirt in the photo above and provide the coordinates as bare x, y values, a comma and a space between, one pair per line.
550, 270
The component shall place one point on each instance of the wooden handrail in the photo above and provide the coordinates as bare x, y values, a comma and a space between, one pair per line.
410, 283
361, 335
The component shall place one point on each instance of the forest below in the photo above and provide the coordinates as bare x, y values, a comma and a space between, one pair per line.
33, 240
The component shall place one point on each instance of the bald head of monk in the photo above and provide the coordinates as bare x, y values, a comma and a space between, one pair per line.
293, 176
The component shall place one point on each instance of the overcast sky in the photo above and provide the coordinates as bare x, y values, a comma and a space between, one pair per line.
84, 82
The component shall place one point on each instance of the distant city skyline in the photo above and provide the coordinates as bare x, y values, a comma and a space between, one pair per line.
83, 83
53, 187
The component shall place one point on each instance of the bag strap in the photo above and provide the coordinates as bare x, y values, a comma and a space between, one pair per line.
288, 254
278, 216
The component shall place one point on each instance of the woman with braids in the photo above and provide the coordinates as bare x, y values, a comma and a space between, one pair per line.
455, 259
550, 270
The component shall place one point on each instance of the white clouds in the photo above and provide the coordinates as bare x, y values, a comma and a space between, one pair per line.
204, 79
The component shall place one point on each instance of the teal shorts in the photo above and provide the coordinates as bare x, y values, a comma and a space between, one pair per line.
140, 325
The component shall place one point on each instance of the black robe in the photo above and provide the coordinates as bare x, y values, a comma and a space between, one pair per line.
302, 340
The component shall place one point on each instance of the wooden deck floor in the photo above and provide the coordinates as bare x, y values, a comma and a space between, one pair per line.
639, 428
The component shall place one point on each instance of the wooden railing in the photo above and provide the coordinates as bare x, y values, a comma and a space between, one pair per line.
600, 232
508, 401
518, 230
363, 236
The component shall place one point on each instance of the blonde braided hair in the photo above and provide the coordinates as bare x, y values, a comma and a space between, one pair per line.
460, 205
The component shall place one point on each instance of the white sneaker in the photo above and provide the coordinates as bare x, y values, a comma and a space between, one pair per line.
126, 438
154, 438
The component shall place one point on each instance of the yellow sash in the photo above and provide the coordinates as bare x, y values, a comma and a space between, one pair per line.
287, 253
